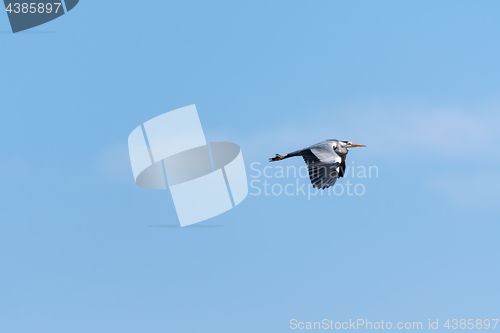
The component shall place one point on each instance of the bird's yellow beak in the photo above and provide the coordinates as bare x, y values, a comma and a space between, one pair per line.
355, 145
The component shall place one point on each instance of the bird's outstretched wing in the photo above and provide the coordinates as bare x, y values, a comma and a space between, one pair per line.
323, 164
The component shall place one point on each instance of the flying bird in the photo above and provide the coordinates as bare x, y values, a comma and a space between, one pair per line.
325, 161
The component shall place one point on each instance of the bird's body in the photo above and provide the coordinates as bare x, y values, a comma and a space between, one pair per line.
325, 161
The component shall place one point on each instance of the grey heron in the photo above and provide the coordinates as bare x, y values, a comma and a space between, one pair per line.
325, 161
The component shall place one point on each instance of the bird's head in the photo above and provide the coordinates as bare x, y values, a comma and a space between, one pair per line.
348, 144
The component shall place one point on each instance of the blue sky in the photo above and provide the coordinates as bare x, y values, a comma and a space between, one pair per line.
417, 82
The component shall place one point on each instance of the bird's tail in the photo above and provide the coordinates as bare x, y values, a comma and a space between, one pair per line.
278, 157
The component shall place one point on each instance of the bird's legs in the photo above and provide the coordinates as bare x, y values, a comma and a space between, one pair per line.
279, 157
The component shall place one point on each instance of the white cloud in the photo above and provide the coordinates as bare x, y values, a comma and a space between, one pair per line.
467, 191
455, 141
113, 162
389, 131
